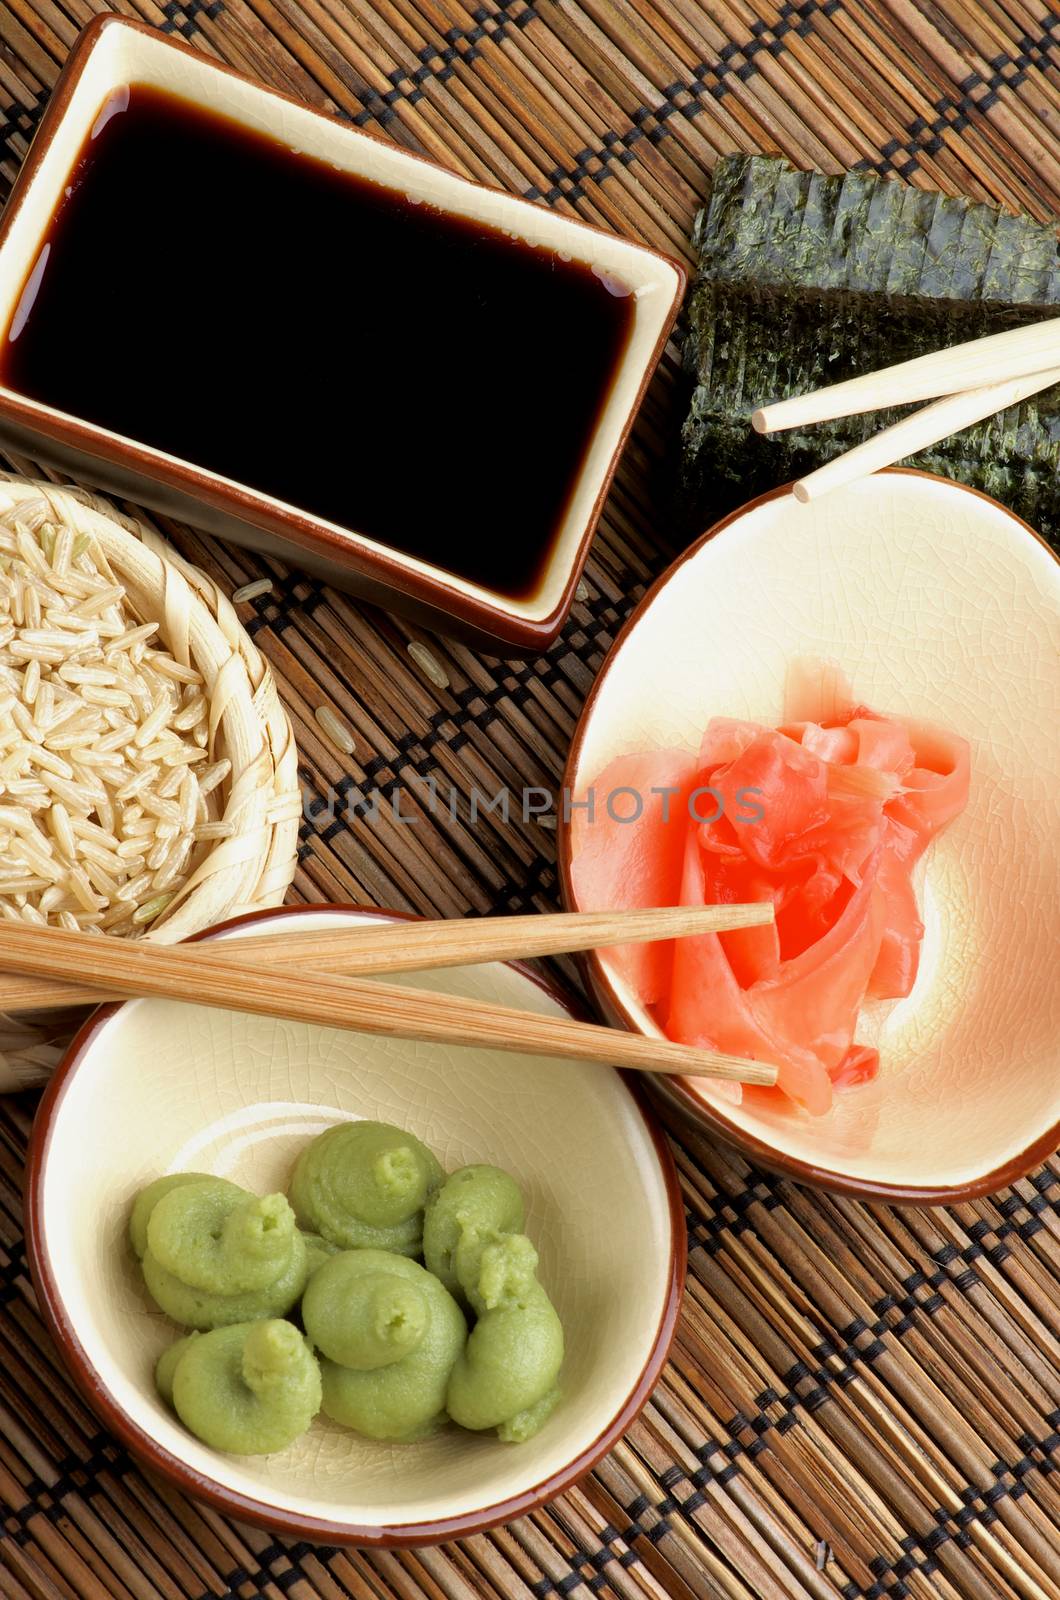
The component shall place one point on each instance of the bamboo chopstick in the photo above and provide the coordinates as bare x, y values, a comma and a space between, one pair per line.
917, 432
1017, 353
422, 945
235, 982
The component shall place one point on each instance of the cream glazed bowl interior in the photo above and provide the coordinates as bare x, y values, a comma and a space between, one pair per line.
936, 603
154, 1086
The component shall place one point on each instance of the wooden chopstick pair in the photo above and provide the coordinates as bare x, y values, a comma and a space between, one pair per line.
293, 976
1014, 364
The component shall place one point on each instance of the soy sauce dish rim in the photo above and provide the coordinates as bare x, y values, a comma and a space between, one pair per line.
61, 1323
512, 621
671, 1093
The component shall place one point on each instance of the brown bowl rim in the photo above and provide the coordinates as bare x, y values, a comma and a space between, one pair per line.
300, 528
672, 1091
319, 1529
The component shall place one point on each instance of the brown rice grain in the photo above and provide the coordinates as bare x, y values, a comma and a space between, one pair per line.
339, 735
213, 830
62, 830
151, 908
31, 683
171, 668
251, 591
428, 664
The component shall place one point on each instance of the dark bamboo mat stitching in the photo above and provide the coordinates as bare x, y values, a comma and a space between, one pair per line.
438, 63
182, 18
955, 114
861, 1402
682, 99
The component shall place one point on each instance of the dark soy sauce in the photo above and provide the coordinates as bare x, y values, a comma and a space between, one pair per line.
422, 380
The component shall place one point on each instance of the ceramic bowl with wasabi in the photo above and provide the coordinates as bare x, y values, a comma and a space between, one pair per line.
150, 1087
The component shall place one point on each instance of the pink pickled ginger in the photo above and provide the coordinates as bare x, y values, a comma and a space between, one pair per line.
827, 819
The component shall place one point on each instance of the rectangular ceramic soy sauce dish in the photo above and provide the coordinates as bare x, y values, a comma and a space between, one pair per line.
112, 53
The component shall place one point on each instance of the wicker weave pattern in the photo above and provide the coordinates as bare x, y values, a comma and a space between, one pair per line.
252, 868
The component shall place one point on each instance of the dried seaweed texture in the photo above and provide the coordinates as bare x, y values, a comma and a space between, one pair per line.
805, 280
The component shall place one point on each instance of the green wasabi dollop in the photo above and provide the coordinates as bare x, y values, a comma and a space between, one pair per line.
363, 1185
249, 1389
505, 1378
396, 1332
366, 1318
149, 1197
220, 1242
214, 1255
472, 1208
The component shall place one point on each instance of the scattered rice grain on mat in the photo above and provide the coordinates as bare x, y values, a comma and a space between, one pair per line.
251, 591
340, 736
428, 664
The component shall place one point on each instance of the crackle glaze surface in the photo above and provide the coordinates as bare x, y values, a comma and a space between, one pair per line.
165, 1087
938, 604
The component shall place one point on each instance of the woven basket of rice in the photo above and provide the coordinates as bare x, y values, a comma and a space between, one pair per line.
148, 772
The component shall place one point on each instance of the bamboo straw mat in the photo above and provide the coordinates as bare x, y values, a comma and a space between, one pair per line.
862, 1402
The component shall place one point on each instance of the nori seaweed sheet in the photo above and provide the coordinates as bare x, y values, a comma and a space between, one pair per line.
804, 280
